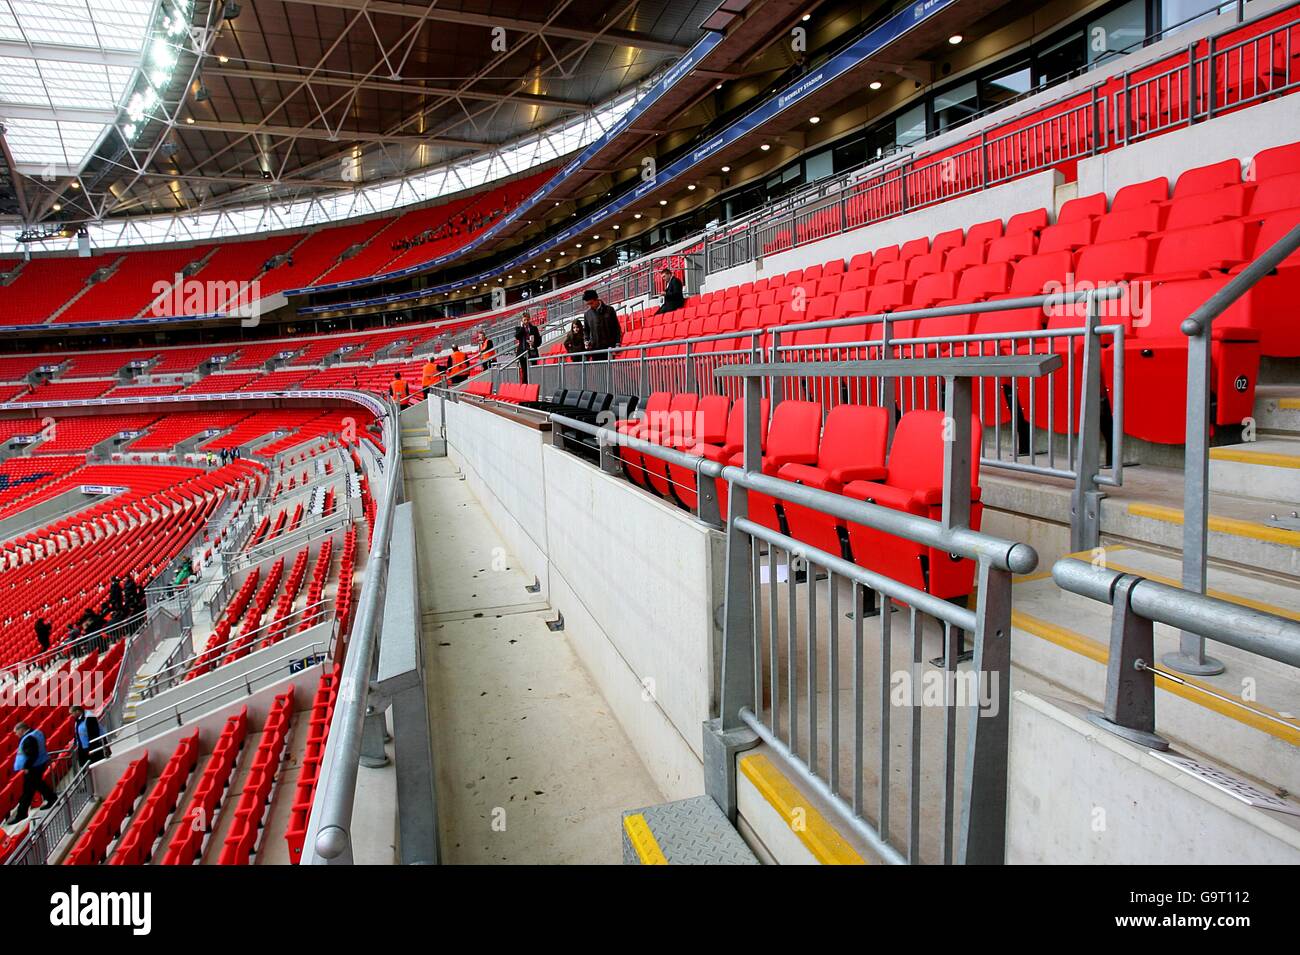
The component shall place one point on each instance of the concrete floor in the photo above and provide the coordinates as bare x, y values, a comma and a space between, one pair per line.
532, 767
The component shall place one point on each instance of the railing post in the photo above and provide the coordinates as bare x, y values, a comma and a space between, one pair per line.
1191, 84
728, 734
1130, 703
1085, 503
690, 369
982, 836
1211, 78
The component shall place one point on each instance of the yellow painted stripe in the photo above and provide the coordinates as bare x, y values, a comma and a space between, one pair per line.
825, 844
1272, 459
1211, 592
1292, 404
1250, 714
643, 840
1221, 525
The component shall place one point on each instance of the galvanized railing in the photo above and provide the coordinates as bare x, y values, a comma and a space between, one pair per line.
1129, 708
1025, 418
794, 674
57, 821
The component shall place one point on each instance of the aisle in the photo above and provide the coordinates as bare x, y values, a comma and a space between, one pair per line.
532, 765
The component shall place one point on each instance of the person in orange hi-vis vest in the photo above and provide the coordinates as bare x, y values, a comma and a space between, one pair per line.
428, 375
399, 389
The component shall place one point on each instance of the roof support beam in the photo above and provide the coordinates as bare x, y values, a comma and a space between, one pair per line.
422, 11
409, 87
58, 114
54, 53
343, 136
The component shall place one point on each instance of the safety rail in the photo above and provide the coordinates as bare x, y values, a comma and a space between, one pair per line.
1138, 604
770, 680
82, 645
341, 518
329, 828
57, 821
1074, 400
169, 676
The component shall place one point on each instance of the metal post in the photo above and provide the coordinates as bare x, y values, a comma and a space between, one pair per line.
1085, 503
956, 453
724, 736
1130, 704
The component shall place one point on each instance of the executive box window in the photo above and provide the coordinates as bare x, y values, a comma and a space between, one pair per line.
1117, 32
955, 105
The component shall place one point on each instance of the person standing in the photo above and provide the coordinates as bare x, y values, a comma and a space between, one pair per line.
43, 631
32, 760
89, 737
673, 295
576, 341
399, 389
528, 342
459, 365
428, 375
604, 333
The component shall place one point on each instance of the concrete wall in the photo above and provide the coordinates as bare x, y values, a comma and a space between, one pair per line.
1120, 805
638, 581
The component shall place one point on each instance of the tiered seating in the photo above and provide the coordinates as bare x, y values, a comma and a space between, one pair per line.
255, 355
92, 847
80, 434
44, 285
175, 428
317, 254
137, 844
282, 380
67, 391
347, 567
130, 289
328, 424
177, 361
318, 727
18, 368
21, 476
205, 805
141, 391
222, 382
517, 394
258, 425
102, 364
284, 603
234, 262
242, 839
313, 610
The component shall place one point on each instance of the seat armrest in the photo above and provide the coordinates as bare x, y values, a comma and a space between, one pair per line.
1233, 333
874, 472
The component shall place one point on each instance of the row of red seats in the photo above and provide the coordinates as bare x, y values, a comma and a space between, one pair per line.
284, 603
200, 817
136, 847
106, 825
346, 587
320, 574
515, 393
318, 728
845, 454
259, 786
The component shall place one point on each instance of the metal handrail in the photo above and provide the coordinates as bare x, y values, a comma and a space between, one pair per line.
286, 541
330, 824
69, 650
186, 665
1198, 327
1139, 603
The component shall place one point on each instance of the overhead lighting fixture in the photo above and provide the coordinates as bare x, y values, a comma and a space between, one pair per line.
806, 17
223, 59
718, 87
617, 226
691, 187
814, 120
726, 169
75, 184
57, 207
636, 215
955, 39
663, 202
765, 147
875, 84
189, 120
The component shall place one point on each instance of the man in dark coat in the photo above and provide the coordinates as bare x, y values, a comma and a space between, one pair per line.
87, 736
673, 295
601, 322
43, 631
528, 343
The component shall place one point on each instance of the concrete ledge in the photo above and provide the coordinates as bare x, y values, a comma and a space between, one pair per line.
1129, 797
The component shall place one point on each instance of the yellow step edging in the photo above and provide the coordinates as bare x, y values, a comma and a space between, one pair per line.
1291, 404
1250, 714
1221, 525
643, 840
826, 845
1272, 459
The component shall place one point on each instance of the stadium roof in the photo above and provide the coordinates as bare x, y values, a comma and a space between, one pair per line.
276, 100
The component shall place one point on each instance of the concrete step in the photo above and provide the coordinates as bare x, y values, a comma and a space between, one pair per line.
1268, 469
1277, 410
1246, 718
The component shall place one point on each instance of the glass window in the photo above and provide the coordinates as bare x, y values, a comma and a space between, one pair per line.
909, 127
1062, 59
955, 105
1117, 32
819, 166
1177, 14
1006, 86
